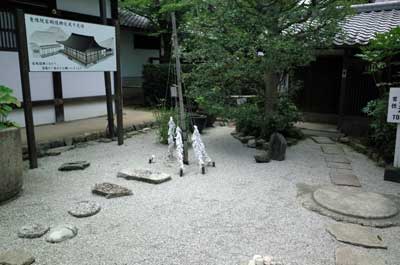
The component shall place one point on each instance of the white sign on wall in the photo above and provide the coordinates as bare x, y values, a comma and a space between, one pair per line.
394, 105
61, 45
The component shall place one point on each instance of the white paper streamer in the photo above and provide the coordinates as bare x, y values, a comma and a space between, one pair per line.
199, 148
179, 147
171, 134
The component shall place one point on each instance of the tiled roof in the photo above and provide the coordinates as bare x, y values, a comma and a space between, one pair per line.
129, 19
369, 20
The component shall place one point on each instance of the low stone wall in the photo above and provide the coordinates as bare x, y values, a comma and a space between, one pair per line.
10, 163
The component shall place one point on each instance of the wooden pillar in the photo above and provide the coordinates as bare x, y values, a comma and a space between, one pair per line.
107, 79
26, 89
117, 87
58, 97
343, 85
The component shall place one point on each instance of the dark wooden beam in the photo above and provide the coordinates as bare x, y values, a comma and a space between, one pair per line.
107, 79
51, 102
343, 85
118, 87
26, 89
58, 97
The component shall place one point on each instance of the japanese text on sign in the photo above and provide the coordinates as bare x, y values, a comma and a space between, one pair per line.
394, 105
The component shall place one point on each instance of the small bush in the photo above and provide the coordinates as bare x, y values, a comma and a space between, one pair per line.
381, 135
7, 102
162, 118
251, 119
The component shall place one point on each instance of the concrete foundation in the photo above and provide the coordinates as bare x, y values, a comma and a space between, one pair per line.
11, 167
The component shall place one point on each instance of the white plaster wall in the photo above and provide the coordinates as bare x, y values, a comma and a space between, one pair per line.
41, 115
86, 84
76, 111
132, 60
89, 7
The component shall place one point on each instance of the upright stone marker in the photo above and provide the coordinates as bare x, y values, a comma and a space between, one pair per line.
277, 147
393, 174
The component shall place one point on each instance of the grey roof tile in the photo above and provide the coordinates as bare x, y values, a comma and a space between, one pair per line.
129, 19
370, 19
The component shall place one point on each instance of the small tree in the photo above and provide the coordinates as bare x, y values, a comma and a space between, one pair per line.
250, 44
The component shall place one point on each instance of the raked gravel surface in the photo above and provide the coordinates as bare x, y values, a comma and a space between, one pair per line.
235, 211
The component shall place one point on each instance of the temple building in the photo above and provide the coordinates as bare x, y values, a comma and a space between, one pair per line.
83, 48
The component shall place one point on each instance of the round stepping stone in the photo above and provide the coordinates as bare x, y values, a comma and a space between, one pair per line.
61, 233
33, 231
85, 209
355, 203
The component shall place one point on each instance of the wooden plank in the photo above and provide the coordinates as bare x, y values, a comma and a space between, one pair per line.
58, 97
107, 79
117, 87
26, 90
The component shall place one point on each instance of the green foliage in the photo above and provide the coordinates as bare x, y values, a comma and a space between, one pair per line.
7, 102
225, 37
162, 116
382, 135
251, 120
381, 49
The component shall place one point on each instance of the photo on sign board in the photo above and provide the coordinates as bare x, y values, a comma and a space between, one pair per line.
65, 45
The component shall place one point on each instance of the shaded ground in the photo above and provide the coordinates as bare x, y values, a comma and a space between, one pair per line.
236, 210
51, 132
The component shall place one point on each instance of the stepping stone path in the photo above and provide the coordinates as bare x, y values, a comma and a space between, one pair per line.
77, 165
110, 190
58, 150
32, 231
61, 233
85, 209
144, 175
344, 179
16, 257
356, 235
336, 159
356, 203
352, 256
322, 140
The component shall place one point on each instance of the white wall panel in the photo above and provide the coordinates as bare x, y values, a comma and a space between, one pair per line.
132, 60
83, 84
74, 111
89, 7
41, 115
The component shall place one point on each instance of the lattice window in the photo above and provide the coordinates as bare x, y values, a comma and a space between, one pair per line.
8, 38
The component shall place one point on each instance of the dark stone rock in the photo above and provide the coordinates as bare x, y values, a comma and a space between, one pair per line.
265, 146
277, 147
392, 174
110, 190
296, 133
33, 231
245, 139
81, 145
251, 143
260, 142
78, 165
79, 139
344, 140
16, 257
262, 157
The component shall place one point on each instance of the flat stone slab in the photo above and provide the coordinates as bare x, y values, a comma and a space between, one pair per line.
58, 150
16, 257
356, 235
322, 140
332, 149
61, 233
33, 231
344, 179
144, 175
305, 196
77, 165
337, 159
110, 190
352, 256
104, 140
339, 165
356, 203
84, 209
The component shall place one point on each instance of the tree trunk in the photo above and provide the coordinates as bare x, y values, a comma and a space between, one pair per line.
271, 81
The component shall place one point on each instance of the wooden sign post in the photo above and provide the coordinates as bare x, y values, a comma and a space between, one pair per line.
394, 117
